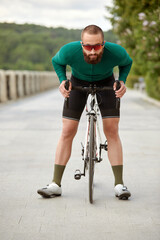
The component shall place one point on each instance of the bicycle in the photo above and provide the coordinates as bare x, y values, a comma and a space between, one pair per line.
92, 148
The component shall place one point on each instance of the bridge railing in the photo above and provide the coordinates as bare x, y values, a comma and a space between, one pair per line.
18, 84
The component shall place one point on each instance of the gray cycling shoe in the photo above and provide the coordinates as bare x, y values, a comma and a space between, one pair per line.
122, 192
51, 190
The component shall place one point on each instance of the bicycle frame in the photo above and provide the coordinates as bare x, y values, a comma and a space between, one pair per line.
94, 110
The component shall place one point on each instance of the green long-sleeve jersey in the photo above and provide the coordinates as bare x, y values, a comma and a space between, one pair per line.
72, 54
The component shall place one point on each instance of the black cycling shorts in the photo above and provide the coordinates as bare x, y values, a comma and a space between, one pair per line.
77, 100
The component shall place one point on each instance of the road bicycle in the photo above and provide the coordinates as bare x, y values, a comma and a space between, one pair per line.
92, 148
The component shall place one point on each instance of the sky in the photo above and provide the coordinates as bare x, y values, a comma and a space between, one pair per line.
56, 13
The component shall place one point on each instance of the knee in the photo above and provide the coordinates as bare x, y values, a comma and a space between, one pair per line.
111, 131
69, 132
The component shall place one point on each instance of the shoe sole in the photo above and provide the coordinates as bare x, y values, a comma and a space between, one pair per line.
45, 195
124, 196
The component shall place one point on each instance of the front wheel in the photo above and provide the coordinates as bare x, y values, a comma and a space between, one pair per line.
92, 155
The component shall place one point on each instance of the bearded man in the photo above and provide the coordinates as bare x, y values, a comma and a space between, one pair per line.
92, 61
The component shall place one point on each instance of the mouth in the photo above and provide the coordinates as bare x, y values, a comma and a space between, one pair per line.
93, 56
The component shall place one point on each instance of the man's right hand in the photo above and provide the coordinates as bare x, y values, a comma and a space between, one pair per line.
63, 91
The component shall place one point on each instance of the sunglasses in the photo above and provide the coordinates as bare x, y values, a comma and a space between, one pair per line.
96, 47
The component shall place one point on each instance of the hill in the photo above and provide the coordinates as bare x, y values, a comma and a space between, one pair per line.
31, 47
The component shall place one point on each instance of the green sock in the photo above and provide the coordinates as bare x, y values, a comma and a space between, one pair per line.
118, 174
58, 173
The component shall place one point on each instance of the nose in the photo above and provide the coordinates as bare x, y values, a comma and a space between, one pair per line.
93, 51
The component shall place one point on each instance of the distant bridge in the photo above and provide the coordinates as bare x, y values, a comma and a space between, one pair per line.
18, 84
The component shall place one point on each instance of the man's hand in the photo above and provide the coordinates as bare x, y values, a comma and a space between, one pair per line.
63, 91
119, 93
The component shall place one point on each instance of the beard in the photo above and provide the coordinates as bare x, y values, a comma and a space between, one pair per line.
97, 57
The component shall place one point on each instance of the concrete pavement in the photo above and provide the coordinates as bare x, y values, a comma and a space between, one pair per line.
29, 130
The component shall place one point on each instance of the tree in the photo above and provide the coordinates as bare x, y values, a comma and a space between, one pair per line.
137, 23
31, 47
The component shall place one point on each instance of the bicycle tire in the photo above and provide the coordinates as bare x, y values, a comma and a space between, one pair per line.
92, 152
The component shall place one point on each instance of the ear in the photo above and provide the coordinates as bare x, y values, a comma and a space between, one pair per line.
104, 43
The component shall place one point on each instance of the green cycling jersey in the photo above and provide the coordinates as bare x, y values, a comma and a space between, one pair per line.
72, 54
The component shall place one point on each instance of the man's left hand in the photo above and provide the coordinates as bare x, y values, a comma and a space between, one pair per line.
119, 93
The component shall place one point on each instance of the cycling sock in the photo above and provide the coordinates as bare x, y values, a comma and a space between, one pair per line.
118, 174
58, 173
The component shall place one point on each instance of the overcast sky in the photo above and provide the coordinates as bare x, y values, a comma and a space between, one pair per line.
55, 13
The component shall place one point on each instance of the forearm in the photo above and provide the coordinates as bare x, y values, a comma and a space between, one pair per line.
60, 70
124, 71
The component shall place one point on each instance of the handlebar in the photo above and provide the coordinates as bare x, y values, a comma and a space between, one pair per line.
91, 89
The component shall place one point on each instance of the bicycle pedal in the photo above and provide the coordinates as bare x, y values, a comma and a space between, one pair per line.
77, 174
104, 146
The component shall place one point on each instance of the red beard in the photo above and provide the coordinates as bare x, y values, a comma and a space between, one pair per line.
93, 61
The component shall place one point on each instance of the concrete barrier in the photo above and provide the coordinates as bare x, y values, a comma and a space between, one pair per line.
11, 85
3, 87
18, 84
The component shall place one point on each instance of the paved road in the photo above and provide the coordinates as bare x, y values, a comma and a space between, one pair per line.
29, 129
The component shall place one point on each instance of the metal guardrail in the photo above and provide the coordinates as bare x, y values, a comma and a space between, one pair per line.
17, 84
140, 85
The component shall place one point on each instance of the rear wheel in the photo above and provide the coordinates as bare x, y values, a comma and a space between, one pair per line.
92, 155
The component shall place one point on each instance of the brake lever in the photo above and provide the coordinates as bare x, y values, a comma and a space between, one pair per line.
118, 86
66, 87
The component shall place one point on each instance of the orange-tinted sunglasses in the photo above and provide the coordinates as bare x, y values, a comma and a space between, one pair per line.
96, 47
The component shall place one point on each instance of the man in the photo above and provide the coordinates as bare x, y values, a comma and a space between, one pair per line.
92, 61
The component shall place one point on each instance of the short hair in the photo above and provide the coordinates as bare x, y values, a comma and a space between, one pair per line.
92, 29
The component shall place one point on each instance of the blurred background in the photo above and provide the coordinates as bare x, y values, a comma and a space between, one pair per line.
31, 32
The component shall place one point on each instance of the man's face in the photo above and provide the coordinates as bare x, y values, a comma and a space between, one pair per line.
93, 56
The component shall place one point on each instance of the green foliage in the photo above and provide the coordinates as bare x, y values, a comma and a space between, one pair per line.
31, 47
131, 80
137, 25
110, 37
153, 85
